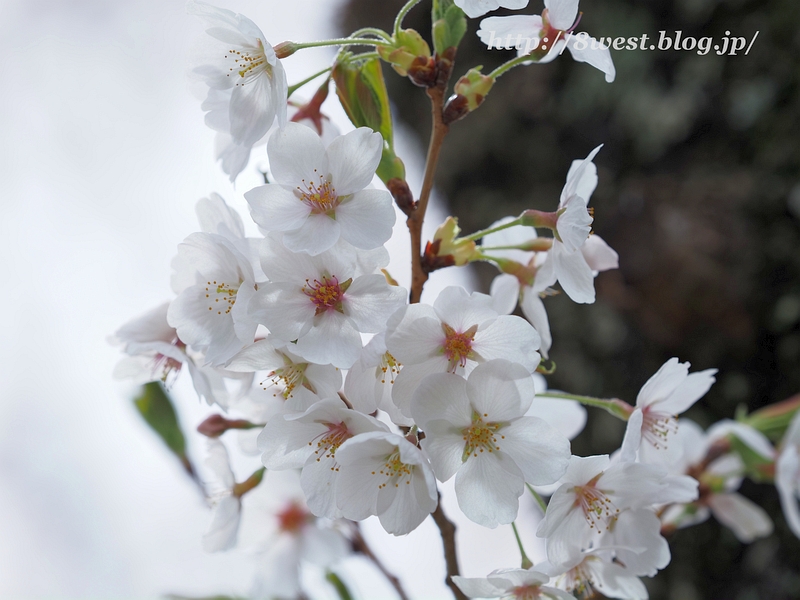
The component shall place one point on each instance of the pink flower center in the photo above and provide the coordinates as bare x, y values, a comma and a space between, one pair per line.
597, 507
319, 196
457, 346
292, 518
327, 294
527, 592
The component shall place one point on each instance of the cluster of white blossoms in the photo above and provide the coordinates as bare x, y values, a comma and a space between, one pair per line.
368, 401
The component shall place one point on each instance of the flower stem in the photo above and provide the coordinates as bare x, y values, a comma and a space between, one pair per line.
479, 234
414, 222
398, 22
539, 500
341, 42
372, 31
618, 408
507, 66
448, 531
360, 546
526, 562
298, 85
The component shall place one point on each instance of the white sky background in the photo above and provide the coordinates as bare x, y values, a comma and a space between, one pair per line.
103, 154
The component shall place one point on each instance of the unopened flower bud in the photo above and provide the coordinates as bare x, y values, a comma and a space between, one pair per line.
409, 49
474, 86
402, 194
215, 425
285, 49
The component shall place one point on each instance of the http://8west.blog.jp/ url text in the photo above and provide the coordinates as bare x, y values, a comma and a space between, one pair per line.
727, 44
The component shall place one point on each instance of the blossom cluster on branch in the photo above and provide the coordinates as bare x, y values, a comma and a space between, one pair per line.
357, 400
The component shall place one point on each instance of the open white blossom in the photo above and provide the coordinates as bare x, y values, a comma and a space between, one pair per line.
322, 302
721, 478
292, 537
370, 381
545, 36
320, 192
214, 283
671, 391
477, 430
567, 262
593, 494
454, 335
224, 528
288, 376
247, 83
511, 584
309, 441
383, 474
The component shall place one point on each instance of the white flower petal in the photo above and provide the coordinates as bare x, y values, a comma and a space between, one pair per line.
367, 218
353, 159
296, 155
488, 487
318, 234
745, 518
274, 208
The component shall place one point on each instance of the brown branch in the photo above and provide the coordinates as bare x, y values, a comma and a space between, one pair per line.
360, 545
448, 531
418, 275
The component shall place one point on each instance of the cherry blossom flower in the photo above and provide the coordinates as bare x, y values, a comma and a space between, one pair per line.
320, 192
309, 441
476, 429
288, 376
369, 383
214, 283
787, 474
511, 584
155, 353
669, 392
593, 494
595, 571
383, 474
719, 480
322, 302
545, 36
574, 260
292, 536
247, 83
457, 333
224, 528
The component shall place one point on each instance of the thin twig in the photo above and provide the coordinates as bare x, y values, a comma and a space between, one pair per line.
360, 545
448, 531
414, 222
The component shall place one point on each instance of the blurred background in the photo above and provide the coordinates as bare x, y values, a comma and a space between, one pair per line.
103, 154
699, 193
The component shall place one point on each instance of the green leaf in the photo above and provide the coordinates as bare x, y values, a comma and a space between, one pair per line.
156, 408
449, 25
